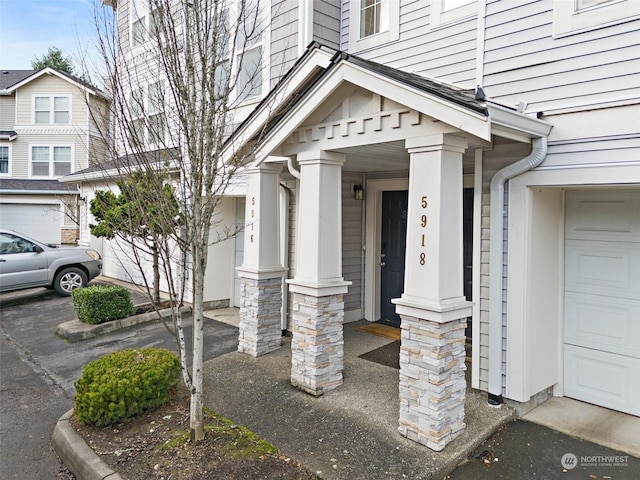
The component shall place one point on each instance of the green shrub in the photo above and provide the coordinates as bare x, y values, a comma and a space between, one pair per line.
102, 303
122, 384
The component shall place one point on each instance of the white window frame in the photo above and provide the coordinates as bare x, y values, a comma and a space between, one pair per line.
9, 162
140, 11
358, 44
262, 44
443, 15
148, 109
570, 19
50, 160
52, 108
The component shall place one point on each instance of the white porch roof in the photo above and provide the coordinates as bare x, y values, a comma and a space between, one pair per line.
323, 72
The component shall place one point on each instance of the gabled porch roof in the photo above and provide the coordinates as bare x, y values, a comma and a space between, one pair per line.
321, 71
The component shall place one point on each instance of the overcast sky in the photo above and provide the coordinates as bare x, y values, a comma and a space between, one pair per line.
29, 27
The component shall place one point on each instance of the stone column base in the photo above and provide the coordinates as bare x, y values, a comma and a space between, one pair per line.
432, 381
317, 353
259, 331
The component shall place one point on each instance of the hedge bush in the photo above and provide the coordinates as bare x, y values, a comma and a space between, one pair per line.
122, 384
102, 303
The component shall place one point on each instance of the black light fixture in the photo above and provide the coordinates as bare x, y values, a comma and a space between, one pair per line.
358, 192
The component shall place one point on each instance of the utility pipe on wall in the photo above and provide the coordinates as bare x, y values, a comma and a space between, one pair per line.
496, 261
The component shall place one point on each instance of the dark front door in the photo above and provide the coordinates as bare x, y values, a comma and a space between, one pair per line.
394, 236
467, 247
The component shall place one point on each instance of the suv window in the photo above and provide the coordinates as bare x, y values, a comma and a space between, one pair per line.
12, 244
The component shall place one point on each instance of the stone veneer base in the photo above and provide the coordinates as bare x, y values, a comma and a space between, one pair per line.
259, 331
317, 343
432, 381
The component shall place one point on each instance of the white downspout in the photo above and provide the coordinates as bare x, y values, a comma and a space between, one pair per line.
496, 261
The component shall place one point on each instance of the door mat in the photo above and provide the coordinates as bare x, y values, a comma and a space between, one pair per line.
387, 355
381, 330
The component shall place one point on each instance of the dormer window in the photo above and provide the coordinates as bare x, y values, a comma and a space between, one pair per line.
374, 17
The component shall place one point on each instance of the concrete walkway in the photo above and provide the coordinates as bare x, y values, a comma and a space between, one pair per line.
348, 433
600, 425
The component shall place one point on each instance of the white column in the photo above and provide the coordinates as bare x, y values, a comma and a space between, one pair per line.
261, 272
432, 308
318, 286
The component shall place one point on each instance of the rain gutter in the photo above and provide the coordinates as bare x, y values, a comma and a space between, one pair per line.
496, 262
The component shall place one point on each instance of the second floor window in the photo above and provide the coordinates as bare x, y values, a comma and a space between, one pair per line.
247, 57
374, 17
50, 160
4, 159
51, 110
147, 125
143, 21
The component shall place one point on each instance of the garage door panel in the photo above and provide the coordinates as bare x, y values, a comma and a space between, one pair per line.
603, 215
39, 221
603, 378
602, 323
602, 298
603, 268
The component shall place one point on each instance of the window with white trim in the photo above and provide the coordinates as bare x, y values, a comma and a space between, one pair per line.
249, 51
571, 17
143, 21
444, 12
52, 109
147, 126
5, 160
373, 23
51, 161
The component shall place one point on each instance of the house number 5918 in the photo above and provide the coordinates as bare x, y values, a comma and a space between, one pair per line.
423, 224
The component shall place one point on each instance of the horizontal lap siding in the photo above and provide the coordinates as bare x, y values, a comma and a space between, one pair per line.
284, 38
352, 241
326, 22
523, 62
445, 52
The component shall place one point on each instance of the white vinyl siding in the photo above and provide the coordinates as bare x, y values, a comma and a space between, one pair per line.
352, 238
284, 38
326, 23
524, 62
447, 53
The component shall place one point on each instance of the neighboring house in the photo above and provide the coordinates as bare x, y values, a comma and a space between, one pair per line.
439, 163
46, 132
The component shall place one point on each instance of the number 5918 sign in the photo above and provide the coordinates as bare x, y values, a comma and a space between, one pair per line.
423, 224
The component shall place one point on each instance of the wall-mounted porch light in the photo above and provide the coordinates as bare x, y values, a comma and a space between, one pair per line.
358, 192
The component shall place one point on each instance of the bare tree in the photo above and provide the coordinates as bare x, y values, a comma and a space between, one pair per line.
176, 71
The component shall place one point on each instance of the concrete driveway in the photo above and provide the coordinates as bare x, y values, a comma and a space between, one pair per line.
38, 371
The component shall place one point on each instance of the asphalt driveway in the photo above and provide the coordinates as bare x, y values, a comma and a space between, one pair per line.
38, 371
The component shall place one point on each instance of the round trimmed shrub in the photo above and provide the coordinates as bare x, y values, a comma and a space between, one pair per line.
122, 384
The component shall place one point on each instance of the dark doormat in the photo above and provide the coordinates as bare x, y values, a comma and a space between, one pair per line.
387, 355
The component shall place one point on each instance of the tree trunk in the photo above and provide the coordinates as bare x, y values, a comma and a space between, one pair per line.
156, 273
197, 417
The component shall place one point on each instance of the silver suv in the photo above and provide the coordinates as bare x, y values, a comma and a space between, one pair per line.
26, 263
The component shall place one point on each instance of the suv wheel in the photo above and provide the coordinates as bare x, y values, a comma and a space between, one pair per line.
69, 279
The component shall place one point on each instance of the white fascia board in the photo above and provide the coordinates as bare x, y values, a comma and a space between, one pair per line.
298, 115
319, 58
511, 124
51, 71
464, 119
473, 123
38, 192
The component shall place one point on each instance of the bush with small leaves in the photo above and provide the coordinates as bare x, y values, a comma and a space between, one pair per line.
122, 384
102, 303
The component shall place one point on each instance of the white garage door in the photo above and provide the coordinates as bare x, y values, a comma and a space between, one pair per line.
39, 221
602, 298
120, 262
